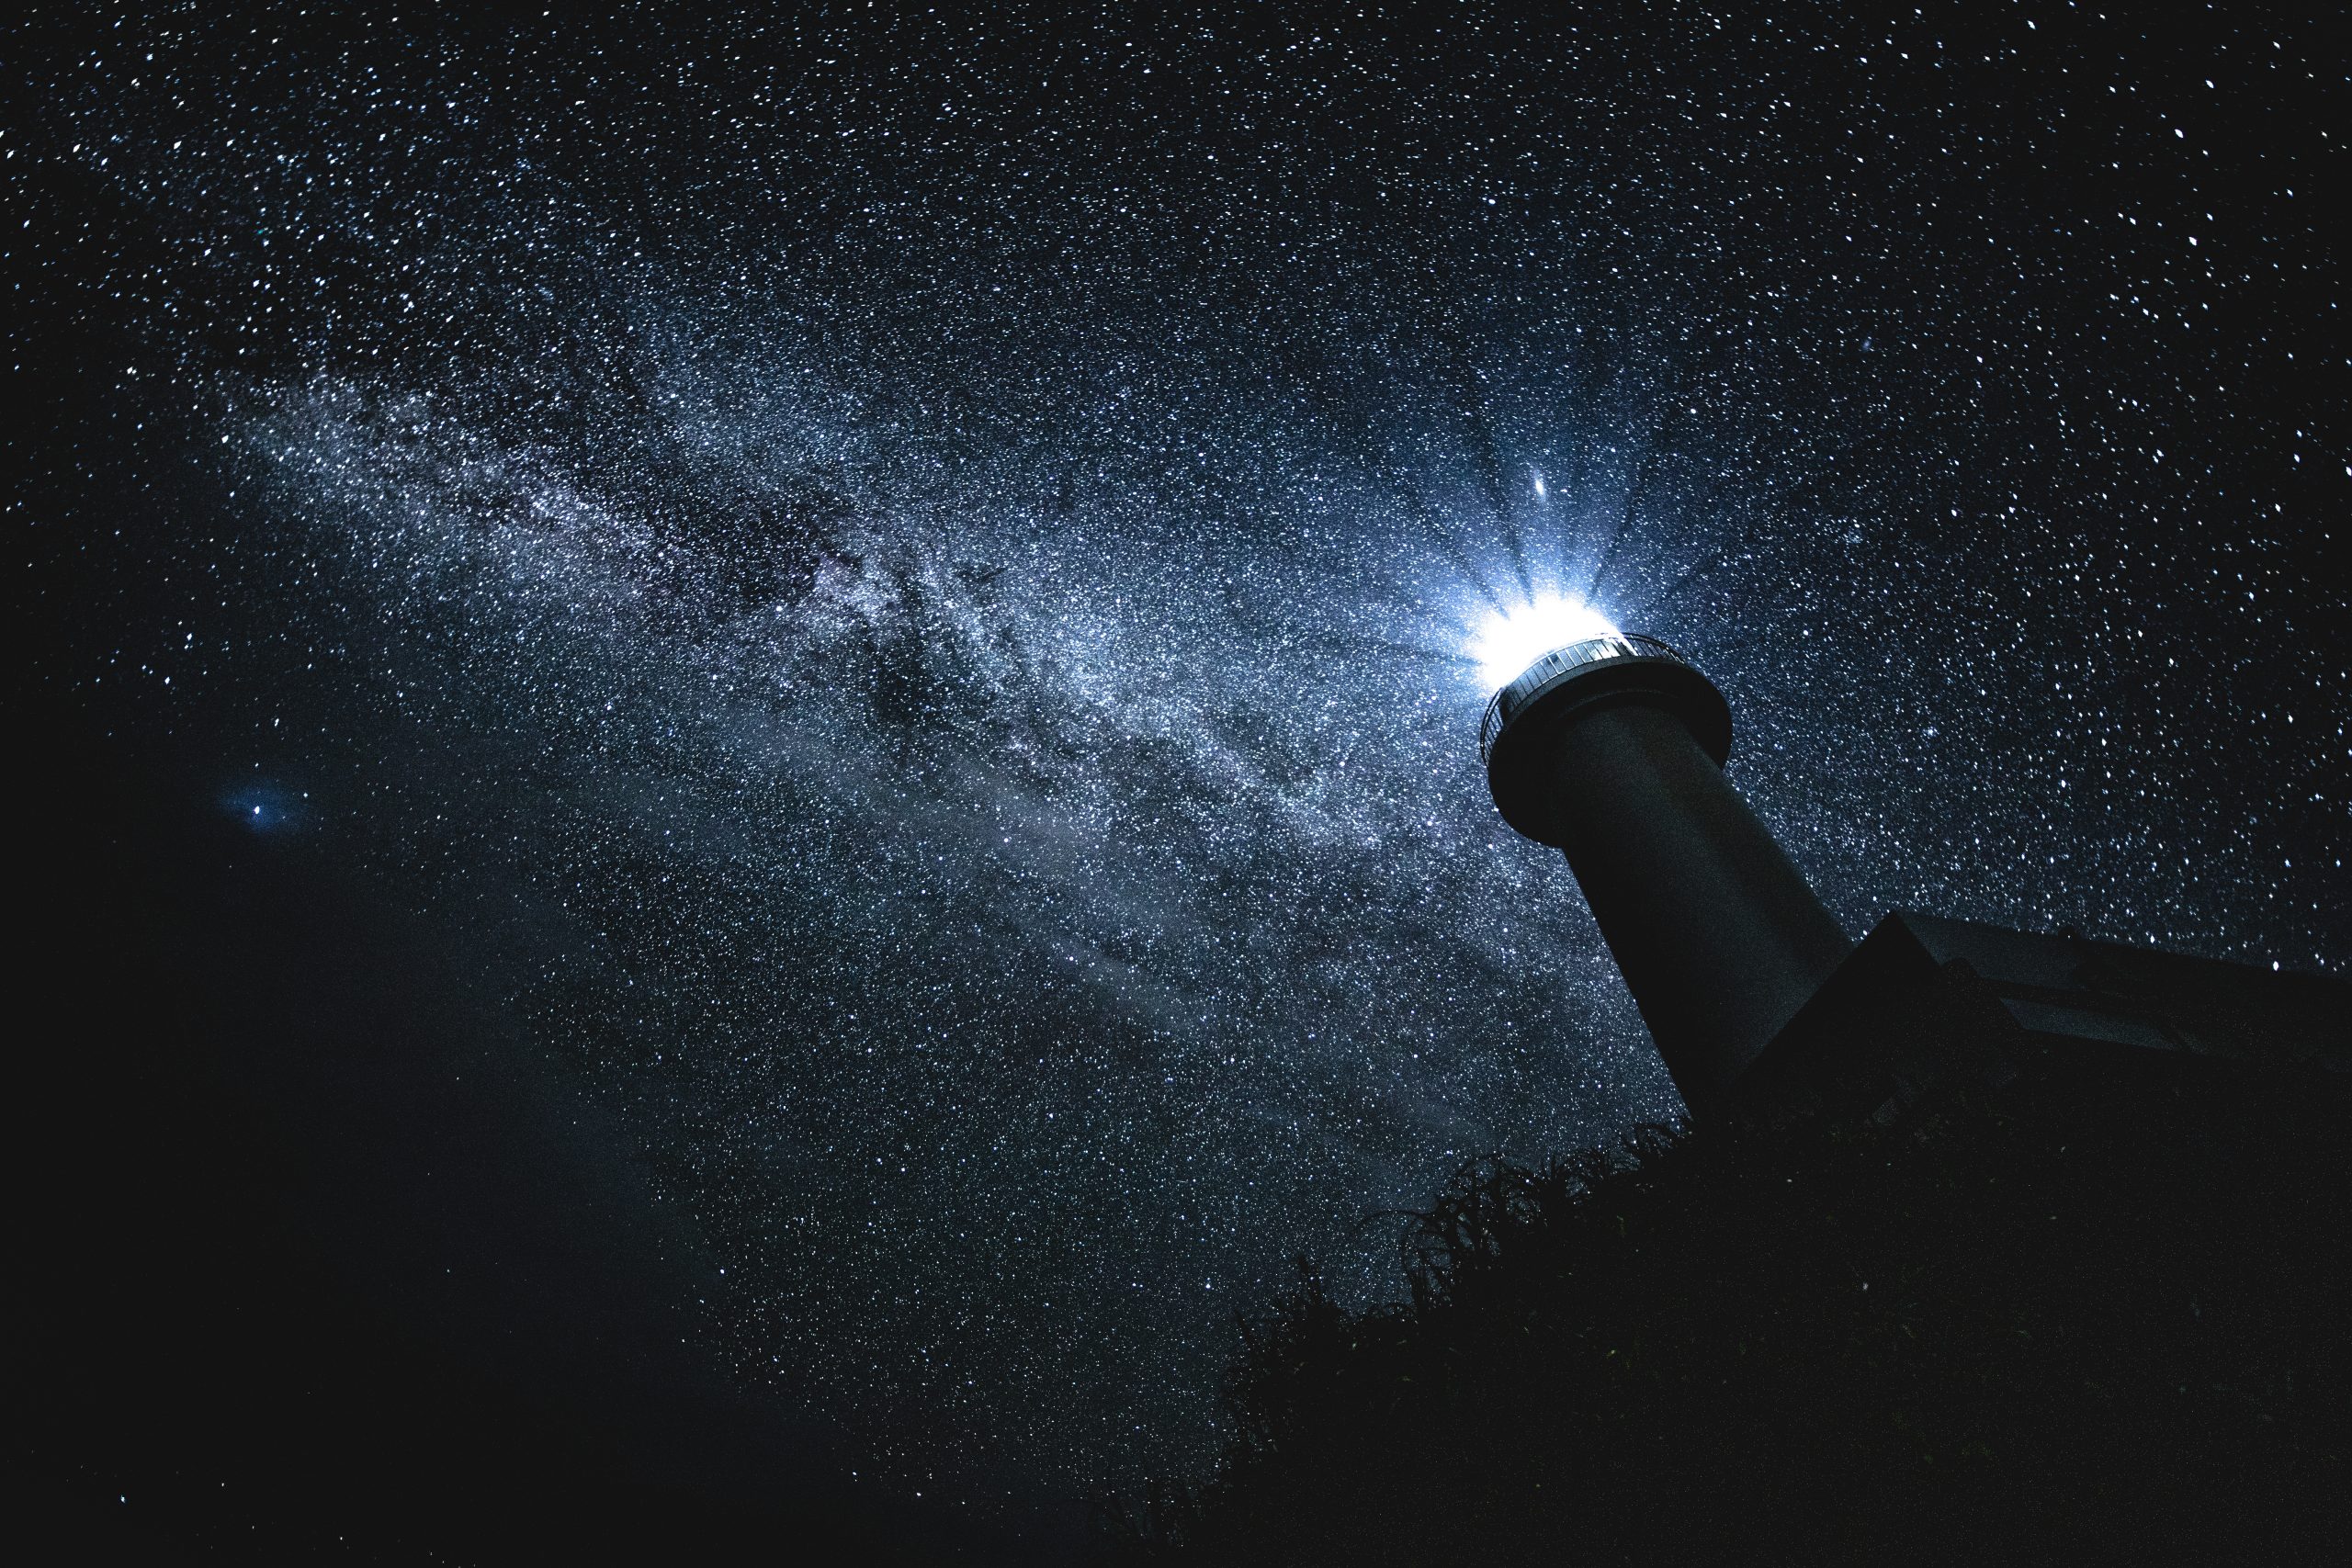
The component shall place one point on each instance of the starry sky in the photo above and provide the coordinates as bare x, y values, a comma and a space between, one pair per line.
892, 591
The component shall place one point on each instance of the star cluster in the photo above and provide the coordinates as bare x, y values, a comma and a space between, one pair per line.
906, 588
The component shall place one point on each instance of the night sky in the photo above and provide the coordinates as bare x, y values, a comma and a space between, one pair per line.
876, 611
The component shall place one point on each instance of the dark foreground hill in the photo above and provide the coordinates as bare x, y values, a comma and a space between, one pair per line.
2088, 1317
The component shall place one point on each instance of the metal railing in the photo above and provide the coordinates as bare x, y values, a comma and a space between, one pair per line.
1555, 665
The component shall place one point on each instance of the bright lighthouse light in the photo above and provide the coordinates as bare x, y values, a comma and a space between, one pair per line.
1508, 642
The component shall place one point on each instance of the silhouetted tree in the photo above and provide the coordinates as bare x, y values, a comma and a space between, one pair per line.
2100, 1314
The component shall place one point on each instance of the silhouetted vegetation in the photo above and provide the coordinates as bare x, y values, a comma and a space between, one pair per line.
2098, 1316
